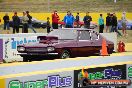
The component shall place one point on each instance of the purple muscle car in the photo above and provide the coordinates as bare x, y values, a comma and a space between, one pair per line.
65, 43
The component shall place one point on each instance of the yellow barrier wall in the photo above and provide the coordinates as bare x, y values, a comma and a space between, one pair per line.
43, 16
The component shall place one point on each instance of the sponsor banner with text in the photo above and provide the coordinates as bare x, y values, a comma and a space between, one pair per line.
10, 43
104, 77
56, 80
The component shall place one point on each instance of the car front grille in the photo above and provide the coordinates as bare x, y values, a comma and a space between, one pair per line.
36, 49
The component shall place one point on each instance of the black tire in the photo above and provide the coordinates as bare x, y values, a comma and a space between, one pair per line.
65, 54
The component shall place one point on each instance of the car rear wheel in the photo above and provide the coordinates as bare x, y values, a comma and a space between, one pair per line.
65, 54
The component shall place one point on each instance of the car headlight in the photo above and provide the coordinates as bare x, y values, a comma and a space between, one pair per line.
20, 48
49, 49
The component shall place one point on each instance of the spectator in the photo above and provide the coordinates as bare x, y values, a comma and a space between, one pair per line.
6, 22
101, 24
123, 19
87, 19
25, 20
77, 20
30, 21
48, 25
114, 24
55, 19
69, 20
108, 22
16, 22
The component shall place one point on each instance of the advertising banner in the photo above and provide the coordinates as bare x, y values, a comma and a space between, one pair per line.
55, 80
84, 78
10, 45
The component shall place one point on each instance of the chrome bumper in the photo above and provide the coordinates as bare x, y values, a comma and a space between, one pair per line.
37, 54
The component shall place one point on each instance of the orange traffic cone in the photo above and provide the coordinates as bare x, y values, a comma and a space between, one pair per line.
104, 51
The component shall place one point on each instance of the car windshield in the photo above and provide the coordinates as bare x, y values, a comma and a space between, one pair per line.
64, 34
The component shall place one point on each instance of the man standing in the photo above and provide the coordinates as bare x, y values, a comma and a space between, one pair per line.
55, 19
48, 25
114, 24
6, 22
77, 20
69, 20
101, 24
16, 22
25, 20
87, 19
30, 21
108, 23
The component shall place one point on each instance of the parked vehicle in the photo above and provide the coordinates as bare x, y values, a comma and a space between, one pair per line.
81, 23
65, 43
128, 24
35, 23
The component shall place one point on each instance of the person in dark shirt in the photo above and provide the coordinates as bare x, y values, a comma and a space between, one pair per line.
77, 20
114, 24
16, 23
30, 21
48, 25
87, 19
108, 23
6, 22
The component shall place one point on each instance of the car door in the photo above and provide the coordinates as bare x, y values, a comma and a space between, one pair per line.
85, 43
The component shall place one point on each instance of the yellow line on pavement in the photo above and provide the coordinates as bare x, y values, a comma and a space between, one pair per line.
62, 70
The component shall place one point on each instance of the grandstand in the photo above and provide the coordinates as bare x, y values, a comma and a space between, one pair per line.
64, 5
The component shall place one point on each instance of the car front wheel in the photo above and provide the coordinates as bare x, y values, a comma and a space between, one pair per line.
65, 54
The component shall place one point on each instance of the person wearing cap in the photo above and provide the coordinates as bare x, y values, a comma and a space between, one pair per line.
30, 21
6, 22
101, 23
55, 19
69, 20
87, 19
25, 20
16, 23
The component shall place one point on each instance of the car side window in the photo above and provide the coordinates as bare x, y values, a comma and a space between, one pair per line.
84, 35
94, 36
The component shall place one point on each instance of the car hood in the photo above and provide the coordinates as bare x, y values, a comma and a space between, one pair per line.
51, 41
